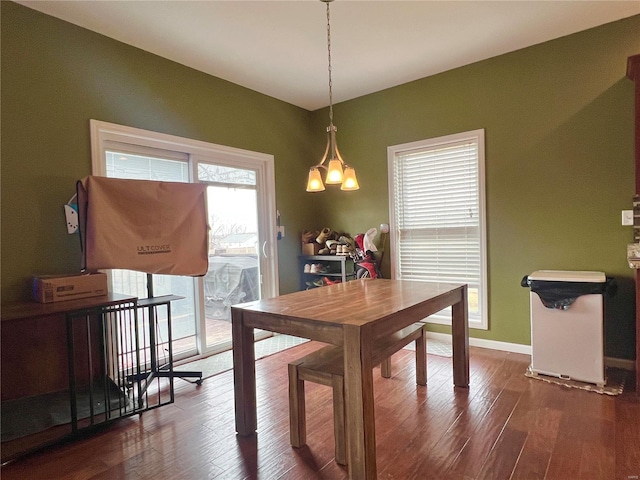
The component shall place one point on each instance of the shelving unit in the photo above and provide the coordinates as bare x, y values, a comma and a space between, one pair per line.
338, 268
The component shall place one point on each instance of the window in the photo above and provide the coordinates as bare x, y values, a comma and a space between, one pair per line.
437, 215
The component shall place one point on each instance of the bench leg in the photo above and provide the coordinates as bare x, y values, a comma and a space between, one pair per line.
339, 419
385, 368
421, 359
297, 413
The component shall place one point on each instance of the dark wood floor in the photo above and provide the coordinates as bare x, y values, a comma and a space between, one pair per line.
505, 426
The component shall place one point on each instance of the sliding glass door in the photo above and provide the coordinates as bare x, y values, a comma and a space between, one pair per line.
241, 217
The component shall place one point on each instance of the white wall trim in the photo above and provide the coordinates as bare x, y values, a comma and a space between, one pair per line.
623, 363
491, 344
524, 349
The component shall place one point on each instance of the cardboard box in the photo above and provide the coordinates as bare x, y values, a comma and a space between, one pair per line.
310, 248
57, 288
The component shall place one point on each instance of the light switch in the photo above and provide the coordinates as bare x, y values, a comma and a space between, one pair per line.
627, 217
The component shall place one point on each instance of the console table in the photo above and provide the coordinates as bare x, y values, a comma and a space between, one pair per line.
68, 366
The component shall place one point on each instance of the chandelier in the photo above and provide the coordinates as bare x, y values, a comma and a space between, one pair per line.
338, 172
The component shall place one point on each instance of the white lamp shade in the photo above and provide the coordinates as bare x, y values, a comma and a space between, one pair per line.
314, 184
350, 182
334, 172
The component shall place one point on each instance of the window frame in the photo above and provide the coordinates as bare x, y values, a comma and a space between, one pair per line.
429, 144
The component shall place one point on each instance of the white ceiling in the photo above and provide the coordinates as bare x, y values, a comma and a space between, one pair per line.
279, 48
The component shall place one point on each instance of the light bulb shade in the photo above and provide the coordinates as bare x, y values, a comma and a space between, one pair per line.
314, 184
350, 182
334, 172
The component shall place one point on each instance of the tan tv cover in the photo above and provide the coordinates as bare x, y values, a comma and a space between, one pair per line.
142, 225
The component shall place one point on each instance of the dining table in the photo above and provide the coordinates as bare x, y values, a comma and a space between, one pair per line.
355, 315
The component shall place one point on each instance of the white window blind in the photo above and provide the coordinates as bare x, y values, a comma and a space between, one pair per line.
438, 215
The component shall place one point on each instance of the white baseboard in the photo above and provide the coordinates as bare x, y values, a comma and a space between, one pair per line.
524, 349
620, 363
479, 342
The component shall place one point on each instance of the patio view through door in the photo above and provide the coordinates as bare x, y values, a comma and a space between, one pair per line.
234, 251
241, 217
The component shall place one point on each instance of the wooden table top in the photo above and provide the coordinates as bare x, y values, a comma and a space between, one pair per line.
356, 302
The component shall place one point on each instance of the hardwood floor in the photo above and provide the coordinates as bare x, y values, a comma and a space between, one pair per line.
504, 426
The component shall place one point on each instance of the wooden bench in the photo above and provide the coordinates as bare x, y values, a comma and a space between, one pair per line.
326, 367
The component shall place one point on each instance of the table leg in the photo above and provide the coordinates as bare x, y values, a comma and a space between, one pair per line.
358, 373
244, 375
460, 340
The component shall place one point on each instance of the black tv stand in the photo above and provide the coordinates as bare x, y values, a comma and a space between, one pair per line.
156, 369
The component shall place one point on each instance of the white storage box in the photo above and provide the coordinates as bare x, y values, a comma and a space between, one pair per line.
568, 341
56, 288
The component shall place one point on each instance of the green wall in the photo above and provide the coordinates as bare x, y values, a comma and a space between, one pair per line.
558, 120
57, 76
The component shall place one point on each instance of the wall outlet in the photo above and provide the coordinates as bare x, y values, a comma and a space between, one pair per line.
280, 232
71, 216
627, 217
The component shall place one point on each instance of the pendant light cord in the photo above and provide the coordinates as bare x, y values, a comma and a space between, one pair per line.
338, 172
329, 55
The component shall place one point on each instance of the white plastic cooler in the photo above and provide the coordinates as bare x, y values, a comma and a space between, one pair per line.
568, 343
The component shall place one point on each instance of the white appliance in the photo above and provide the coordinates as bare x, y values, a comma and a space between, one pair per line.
568, 343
